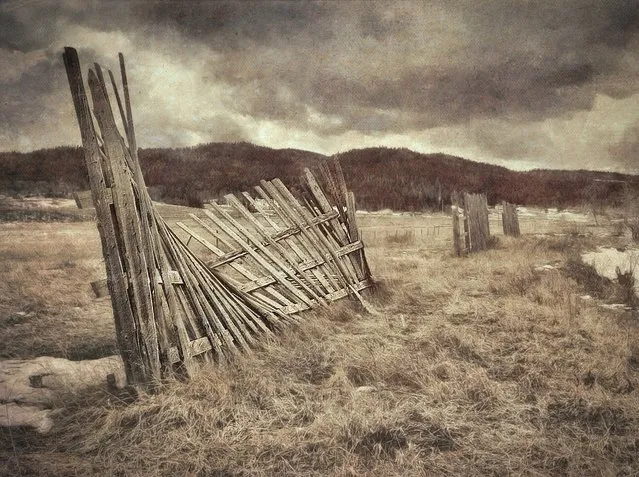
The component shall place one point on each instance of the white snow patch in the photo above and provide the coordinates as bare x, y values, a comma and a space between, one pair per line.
606, 261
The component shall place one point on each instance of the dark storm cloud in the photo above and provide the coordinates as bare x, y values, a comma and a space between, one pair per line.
27, 103
521, 60
38, 77
35, 107
236, 24
222, 24
10, 30
336, 68
525, 66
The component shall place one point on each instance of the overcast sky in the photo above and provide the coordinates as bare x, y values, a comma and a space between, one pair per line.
518, 83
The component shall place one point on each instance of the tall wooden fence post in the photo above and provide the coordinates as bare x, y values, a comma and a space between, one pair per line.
456, 236
476, 222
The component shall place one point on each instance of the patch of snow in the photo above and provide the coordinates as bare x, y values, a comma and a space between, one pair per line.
365, 389
28, 387
545, 268
615, 306
16, 415
606, 260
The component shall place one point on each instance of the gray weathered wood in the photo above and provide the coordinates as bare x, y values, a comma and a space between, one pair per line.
290, 261
293, 243
457, 240
476, 221
100, 288
338, 232
309, 233
129, 113
123, 313
282, 300
510, 221
129, 228
326, 239
84, 199
266, 261
322, 241
301, 239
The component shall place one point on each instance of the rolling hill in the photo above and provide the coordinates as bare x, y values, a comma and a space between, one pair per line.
399, 179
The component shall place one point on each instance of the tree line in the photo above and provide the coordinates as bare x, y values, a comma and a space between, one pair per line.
382, 178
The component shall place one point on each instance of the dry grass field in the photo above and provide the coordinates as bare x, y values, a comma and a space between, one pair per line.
485, 365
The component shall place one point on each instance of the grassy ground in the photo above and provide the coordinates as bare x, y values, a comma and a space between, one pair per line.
474, 366
46, 303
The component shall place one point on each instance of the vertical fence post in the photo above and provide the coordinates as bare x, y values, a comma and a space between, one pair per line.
510, 220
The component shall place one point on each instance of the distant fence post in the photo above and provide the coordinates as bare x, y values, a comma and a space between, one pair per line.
456, 236
510, 220
460, 248
486, 215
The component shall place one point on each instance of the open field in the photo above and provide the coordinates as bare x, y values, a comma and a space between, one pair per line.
486, 365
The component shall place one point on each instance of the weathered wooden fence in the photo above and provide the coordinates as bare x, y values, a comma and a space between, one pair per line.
294, 253
173, 307
471, 229
510, 220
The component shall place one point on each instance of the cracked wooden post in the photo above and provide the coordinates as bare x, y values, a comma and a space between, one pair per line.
476, 213
101, 179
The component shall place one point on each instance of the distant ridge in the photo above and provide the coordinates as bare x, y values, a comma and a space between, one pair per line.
395, 178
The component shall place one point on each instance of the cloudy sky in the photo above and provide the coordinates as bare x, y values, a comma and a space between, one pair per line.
518, 83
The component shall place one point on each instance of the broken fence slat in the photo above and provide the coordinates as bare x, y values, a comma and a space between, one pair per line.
290, 261
300, 239
84, 199
264, 281
264, 262
293, 243
277, 237
346, 272
100, 288
202, 345
248, 274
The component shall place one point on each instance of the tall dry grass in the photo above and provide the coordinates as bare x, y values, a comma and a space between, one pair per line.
475, 366
46, 303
